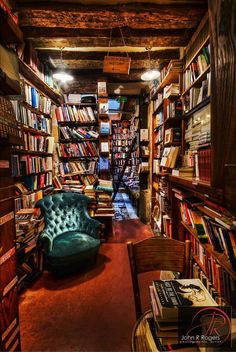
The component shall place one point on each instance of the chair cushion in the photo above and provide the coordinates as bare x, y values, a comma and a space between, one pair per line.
72, 246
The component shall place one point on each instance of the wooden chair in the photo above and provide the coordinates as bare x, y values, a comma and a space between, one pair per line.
157, 254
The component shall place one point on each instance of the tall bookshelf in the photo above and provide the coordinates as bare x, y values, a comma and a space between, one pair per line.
10, 135
195, 207
78, 144
166, 142
32, 168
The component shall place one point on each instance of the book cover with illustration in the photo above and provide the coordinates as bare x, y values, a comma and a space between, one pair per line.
172, 294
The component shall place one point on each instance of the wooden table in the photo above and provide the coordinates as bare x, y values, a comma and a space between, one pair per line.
140, 338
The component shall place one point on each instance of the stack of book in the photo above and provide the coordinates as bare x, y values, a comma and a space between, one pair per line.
26, 234
171, 90
104, 204
104, 185
92, 206
167, 297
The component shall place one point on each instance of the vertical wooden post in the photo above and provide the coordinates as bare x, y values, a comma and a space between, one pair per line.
222, 18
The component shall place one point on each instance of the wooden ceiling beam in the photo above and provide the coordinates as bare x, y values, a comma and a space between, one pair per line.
141, 42
136, 15
99, 55
60, 32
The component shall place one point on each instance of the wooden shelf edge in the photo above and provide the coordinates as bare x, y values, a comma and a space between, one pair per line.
32, 77
198, 107
197, 80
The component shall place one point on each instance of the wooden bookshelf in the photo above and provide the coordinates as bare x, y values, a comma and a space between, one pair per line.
220, 257
197, 107
31, 152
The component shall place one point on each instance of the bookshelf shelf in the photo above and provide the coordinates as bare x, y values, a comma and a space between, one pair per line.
158, 108
36, 111
34, 131
77, 123
32, 77
22, 151
78, 157
82, 104
33, 174
157, 127
78, 140
198, 107
198, 81
172, 121
172, 144
221, 257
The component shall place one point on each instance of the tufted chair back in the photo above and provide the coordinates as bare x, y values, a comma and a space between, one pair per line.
66, 212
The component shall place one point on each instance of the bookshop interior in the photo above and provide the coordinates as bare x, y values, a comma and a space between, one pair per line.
117, 175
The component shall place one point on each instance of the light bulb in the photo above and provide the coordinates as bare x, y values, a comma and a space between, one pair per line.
62, 76
150, 75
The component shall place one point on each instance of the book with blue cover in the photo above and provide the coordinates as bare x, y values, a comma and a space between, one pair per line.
103, 163
105, 128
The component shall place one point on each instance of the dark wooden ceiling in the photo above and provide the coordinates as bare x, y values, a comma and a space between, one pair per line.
83, 30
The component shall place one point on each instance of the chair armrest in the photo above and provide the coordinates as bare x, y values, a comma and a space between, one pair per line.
45, 241
92, 226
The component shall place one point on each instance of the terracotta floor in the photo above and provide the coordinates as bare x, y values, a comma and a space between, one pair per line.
93, 311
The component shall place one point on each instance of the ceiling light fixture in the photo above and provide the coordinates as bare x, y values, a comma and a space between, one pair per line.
61, 75
151, 73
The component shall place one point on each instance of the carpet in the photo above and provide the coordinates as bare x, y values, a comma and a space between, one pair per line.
93, 311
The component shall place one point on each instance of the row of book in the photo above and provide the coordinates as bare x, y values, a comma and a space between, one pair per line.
216, 279
38, 143
77, 133
173, 134
77, 167
210, 230
174, 109
36, 99
75, 114
197, 94
25, 198
30, 119
27, 164
83, 149
197, 67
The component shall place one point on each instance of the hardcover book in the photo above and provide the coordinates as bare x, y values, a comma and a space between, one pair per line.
172, 294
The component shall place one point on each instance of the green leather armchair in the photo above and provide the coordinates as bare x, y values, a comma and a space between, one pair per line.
70, 239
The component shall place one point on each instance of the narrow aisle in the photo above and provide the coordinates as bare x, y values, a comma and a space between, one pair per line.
123, 207
93, 311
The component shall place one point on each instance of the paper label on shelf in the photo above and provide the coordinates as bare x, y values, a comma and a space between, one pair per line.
6, 218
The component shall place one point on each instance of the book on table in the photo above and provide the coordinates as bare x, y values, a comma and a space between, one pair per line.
173, 294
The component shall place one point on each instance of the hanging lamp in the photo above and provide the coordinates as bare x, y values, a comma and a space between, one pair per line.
151, 73
61, 75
